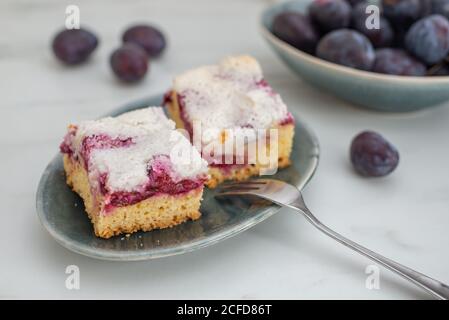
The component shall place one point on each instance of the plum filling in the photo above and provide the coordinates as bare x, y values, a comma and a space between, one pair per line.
65, 146
161, 185
159, 182
167, 98
288, 120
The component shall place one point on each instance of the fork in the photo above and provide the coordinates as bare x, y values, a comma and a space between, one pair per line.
287, 195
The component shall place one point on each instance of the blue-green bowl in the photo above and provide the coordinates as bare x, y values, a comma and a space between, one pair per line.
368, 89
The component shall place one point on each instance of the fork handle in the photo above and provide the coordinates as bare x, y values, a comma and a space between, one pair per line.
434, 287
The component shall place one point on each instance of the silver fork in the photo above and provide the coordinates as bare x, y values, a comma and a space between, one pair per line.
286, 195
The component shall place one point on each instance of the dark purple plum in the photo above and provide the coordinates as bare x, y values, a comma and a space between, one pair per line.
440, 7
397, 62
372, 155
382, 37
330, 15
297, 30
129, 62
74, 46
347, 47
403, 12
148, 37
428, 39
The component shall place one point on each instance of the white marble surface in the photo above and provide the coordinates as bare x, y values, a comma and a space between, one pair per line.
404, 216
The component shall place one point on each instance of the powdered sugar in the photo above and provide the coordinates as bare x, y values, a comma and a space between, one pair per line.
147, 133
229, 95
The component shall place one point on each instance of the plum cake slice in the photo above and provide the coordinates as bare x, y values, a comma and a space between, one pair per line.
222, 105
134, 172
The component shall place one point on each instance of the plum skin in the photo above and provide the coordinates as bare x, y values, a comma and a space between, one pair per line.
428, 39
347, 47
373, 156
297, 30
129, 62
330, 14
74, 46
403, 12
148, 37
398, 62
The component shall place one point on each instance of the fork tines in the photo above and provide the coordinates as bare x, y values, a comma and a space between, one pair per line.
240, 187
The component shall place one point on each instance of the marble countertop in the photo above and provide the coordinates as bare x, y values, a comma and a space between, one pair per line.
404, 216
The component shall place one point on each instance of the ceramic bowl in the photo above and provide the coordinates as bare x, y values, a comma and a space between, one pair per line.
371, 90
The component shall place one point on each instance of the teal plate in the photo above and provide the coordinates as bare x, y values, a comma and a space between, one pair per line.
61, 211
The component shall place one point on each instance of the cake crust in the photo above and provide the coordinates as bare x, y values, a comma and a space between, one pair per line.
157, 212
128, 174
